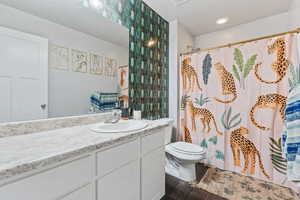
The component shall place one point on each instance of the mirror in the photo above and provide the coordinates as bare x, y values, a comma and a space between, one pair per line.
60, 58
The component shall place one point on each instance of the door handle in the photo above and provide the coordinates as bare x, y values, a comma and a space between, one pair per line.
43, 106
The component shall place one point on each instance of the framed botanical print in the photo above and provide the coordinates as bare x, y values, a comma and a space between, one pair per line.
111, 66
96, 66
59, 57
80, 61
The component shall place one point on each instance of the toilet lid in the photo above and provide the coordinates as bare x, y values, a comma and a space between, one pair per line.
187, 148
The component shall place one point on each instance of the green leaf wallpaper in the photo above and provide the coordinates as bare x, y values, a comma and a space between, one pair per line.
148, 66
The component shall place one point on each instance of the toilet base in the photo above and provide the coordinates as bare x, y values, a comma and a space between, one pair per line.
184, 170
181, 159
187, 171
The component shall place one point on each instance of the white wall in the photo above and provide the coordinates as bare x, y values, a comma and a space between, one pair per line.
185, 39
69, 92
294, 18
179, 40
294, 15
262, 27
270, 25
173, 70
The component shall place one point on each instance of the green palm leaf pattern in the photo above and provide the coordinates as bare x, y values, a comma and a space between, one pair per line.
294, 77
279, 163
249, 65
184, 99
219, 155
213, 140
229, 122
202, 100
243, 69
228, 114
206, 68
204, 144
238, 57
236, 73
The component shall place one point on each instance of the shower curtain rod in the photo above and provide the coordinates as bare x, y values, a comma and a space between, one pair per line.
242, 42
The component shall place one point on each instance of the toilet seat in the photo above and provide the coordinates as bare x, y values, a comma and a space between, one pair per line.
182, 160
185, 151
187, 148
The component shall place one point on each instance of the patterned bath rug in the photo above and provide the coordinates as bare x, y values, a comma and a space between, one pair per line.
234, 186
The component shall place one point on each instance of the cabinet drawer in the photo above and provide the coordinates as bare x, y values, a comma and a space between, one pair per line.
122, 184
85, 193
111, 159
50, 184
153, 141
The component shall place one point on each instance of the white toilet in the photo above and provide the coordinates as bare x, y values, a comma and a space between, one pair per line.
181, 159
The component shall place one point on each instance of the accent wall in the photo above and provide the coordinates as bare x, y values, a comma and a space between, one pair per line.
148, 66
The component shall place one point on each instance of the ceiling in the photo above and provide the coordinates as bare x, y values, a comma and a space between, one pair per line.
72, 14
199, 16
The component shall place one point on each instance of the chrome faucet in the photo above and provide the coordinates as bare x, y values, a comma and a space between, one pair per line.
115, 117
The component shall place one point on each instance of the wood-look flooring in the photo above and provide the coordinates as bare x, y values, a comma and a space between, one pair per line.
180, 190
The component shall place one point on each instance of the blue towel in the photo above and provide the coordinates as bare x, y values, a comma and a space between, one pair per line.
104, 101
291, 134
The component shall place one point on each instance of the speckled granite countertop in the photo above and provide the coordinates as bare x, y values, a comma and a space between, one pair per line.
20, 154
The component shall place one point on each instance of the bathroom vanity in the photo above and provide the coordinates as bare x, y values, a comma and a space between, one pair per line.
60, 74
79, 164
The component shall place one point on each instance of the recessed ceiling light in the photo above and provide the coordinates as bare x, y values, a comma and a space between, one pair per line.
179, 2
96, 4
223, 20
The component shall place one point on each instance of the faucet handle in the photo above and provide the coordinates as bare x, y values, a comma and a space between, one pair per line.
116, 114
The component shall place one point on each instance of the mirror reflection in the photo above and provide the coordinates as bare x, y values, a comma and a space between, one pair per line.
56, 63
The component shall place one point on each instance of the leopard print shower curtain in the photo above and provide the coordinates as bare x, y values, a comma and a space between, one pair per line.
233, 101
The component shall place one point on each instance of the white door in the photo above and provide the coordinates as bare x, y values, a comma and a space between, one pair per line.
23, 76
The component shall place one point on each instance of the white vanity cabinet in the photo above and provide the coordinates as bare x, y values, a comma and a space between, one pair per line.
133, 170
120, 184
84, 193
50, 184
118, 172
153, 165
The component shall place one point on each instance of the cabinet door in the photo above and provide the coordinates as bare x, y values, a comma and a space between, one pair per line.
122, 183
153, 141
85, 193
116, 157
51, 184
153, 175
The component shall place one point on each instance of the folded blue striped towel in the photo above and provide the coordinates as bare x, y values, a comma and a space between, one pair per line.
291, 134
101, 101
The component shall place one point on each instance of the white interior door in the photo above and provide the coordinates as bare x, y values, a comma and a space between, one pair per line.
23, 76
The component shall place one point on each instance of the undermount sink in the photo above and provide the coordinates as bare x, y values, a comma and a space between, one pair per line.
121, 127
